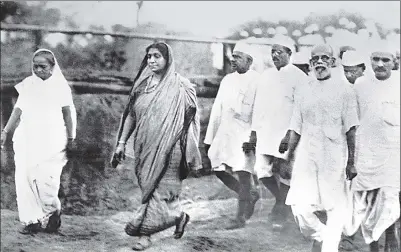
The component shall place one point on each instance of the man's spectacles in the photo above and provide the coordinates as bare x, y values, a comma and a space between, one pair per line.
324, 58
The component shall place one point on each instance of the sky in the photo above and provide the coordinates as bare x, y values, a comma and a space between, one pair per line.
218, 18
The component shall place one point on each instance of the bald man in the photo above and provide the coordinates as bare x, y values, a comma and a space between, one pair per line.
322, 131
377, 185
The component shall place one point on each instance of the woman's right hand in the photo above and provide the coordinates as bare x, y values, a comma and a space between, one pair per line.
3, 139
119, 155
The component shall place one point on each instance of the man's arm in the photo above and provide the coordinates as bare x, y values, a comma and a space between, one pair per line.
293, 142
351, 170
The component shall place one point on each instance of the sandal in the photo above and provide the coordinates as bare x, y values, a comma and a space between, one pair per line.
251, 206
54, 223
143, 243
180, 224
31, 229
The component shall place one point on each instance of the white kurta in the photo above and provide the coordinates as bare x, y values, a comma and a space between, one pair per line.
378, 137
273, 107
323, 113
230, 120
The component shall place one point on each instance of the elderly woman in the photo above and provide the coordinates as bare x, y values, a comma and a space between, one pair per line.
46, 129
161, 116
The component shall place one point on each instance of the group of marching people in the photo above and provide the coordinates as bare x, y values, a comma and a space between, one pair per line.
323, 136
321, 133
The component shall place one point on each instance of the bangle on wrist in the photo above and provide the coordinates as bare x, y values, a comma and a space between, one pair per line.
5, 131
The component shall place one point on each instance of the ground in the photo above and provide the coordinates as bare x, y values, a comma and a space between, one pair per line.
205, 199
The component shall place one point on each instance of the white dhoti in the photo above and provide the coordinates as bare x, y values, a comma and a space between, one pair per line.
311, 226
375, 211
264, 168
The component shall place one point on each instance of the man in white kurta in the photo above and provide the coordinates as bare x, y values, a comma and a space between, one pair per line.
377, 184
353, 66
229, 128
271, 117
322, 127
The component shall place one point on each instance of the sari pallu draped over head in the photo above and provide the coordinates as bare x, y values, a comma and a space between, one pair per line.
174, 105
37, 125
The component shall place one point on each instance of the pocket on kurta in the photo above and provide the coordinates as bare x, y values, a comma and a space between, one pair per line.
391, 113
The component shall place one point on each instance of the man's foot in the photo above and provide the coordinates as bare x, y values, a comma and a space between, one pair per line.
180, 224
251, 206
235, 224
316, 246
347, 243
143, 243
374, 246
278, 216
54, 222
392, 241
31, 229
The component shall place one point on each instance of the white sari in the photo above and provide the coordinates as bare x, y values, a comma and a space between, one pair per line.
39, 144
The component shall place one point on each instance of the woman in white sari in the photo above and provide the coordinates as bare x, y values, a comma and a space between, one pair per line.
46, 130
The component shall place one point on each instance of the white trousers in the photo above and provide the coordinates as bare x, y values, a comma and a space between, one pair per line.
310, 225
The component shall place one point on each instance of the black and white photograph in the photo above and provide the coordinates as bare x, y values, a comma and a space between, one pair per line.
191, 126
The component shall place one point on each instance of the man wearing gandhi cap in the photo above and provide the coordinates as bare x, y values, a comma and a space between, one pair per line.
229, 131
322, 129
271, 117
301, 60
353, 66
377, 185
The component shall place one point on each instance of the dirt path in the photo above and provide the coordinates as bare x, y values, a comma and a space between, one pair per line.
205, 232
206, 200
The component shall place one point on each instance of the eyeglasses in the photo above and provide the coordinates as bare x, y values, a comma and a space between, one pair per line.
324, 58
384, 60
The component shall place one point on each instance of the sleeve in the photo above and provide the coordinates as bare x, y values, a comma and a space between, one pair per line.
65, 99
215, 115
296, 118
65, 95
350, 110
21, 100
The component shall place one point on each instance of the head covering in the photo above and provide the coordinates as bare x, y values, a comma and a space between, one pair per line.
383, 47
352, 58
57, 74
58, 78
244, 47
300, 58
285, 41
346, 48
170, 108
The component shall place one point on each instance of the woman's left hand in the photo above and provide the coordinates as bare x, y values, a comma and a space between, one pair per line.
70, 146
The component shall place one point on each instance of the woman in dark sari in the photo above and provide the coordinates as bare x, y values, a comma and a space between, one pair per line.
161, 116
